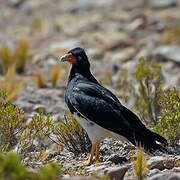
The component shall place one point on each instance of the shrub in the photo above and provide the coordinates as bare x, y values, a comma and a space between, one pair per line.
11, 121
149, 78
72, 135
140, 164
12, 169
33, 137
169, 121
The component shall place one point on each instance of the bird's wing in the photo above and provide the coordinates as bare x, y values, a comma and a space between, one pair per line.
100, 106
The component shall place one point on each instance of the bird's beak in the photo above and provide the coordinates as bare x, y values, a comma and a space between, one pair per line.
68, 57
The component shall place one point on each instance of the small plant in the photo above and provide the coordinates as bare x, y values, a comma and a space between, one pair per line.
149, 78
33, 137
39, 79
10, 83
140, 164
18, 57
11, 121
12, 169
5, 58
72, 135
21, 55
169, 121
55, 74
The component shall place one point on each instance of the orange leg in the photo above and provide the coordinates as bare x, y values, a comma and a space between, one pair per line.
90, 160
97, 152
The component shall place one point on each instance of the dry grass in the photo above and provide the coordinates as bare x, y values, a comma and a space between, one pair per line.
11, 83
55, 74
140, 163
39, 80
21, 55
5, 58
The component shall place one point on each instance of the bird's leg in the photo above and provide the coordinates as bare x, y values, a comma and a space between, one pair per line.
90, 160
97, 152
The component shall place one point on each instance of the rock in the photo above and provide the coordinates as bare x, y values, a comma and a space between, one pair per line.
123, 55
177, 161
117, 159
117, 173
95, 53
169, 163
153, 172
168, 53
156, 162
27, 7
15, 3
166, 176
163, 4
67, 44
77, 178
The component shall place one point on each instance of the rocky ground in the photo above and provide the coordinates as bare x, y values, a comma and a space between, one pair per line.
115, 34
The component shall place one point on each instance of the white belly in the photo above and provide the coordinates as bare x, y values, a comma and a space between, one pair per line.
95, 132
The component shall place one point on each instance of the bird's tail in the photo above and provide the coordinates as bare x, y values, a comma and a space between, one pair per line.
149, 140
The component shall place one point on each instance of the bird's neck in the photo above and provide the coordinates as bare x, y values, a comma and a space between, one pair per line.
85, 73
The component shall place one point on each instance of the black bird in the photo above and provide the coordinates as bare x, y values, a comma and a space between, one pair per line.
99, 111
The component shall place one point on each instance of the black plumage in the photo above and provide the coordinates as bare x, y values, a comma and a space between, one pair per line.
86, 97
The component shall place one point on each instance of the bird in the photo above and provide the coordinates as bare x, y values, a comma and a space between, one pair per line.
100, 112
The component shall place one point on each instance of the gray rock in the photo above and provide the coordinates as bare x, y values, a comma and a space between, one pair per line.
15, 3
153, 172
168, 53
166, 176
117, 159
159, 4
117, 173
156, 162
67, 44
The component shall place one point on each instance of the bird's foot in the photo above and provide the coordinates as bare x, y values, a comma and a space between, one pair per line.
87, 163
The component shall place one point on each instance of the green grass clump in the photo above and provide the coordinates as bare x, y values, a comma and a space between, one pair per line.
11, 121
149, 78
12, 169
140, 163
169, 121
72, 135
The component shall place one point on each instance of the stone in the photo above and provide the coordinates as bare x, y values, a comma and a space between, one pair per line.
177, 161
169, 163
67, 44
153, 172
117, 173
166, 176
15, 3
156, 163
168, 53
117, 159
163, 4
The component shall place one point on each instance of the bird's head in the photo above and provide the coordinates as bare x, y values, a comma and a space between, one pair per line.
77, 57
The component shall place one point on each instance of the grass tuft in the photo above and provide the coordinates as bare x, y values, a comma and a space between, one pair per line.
11, 83
21, 55
140, 164
39, 80
55, 74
